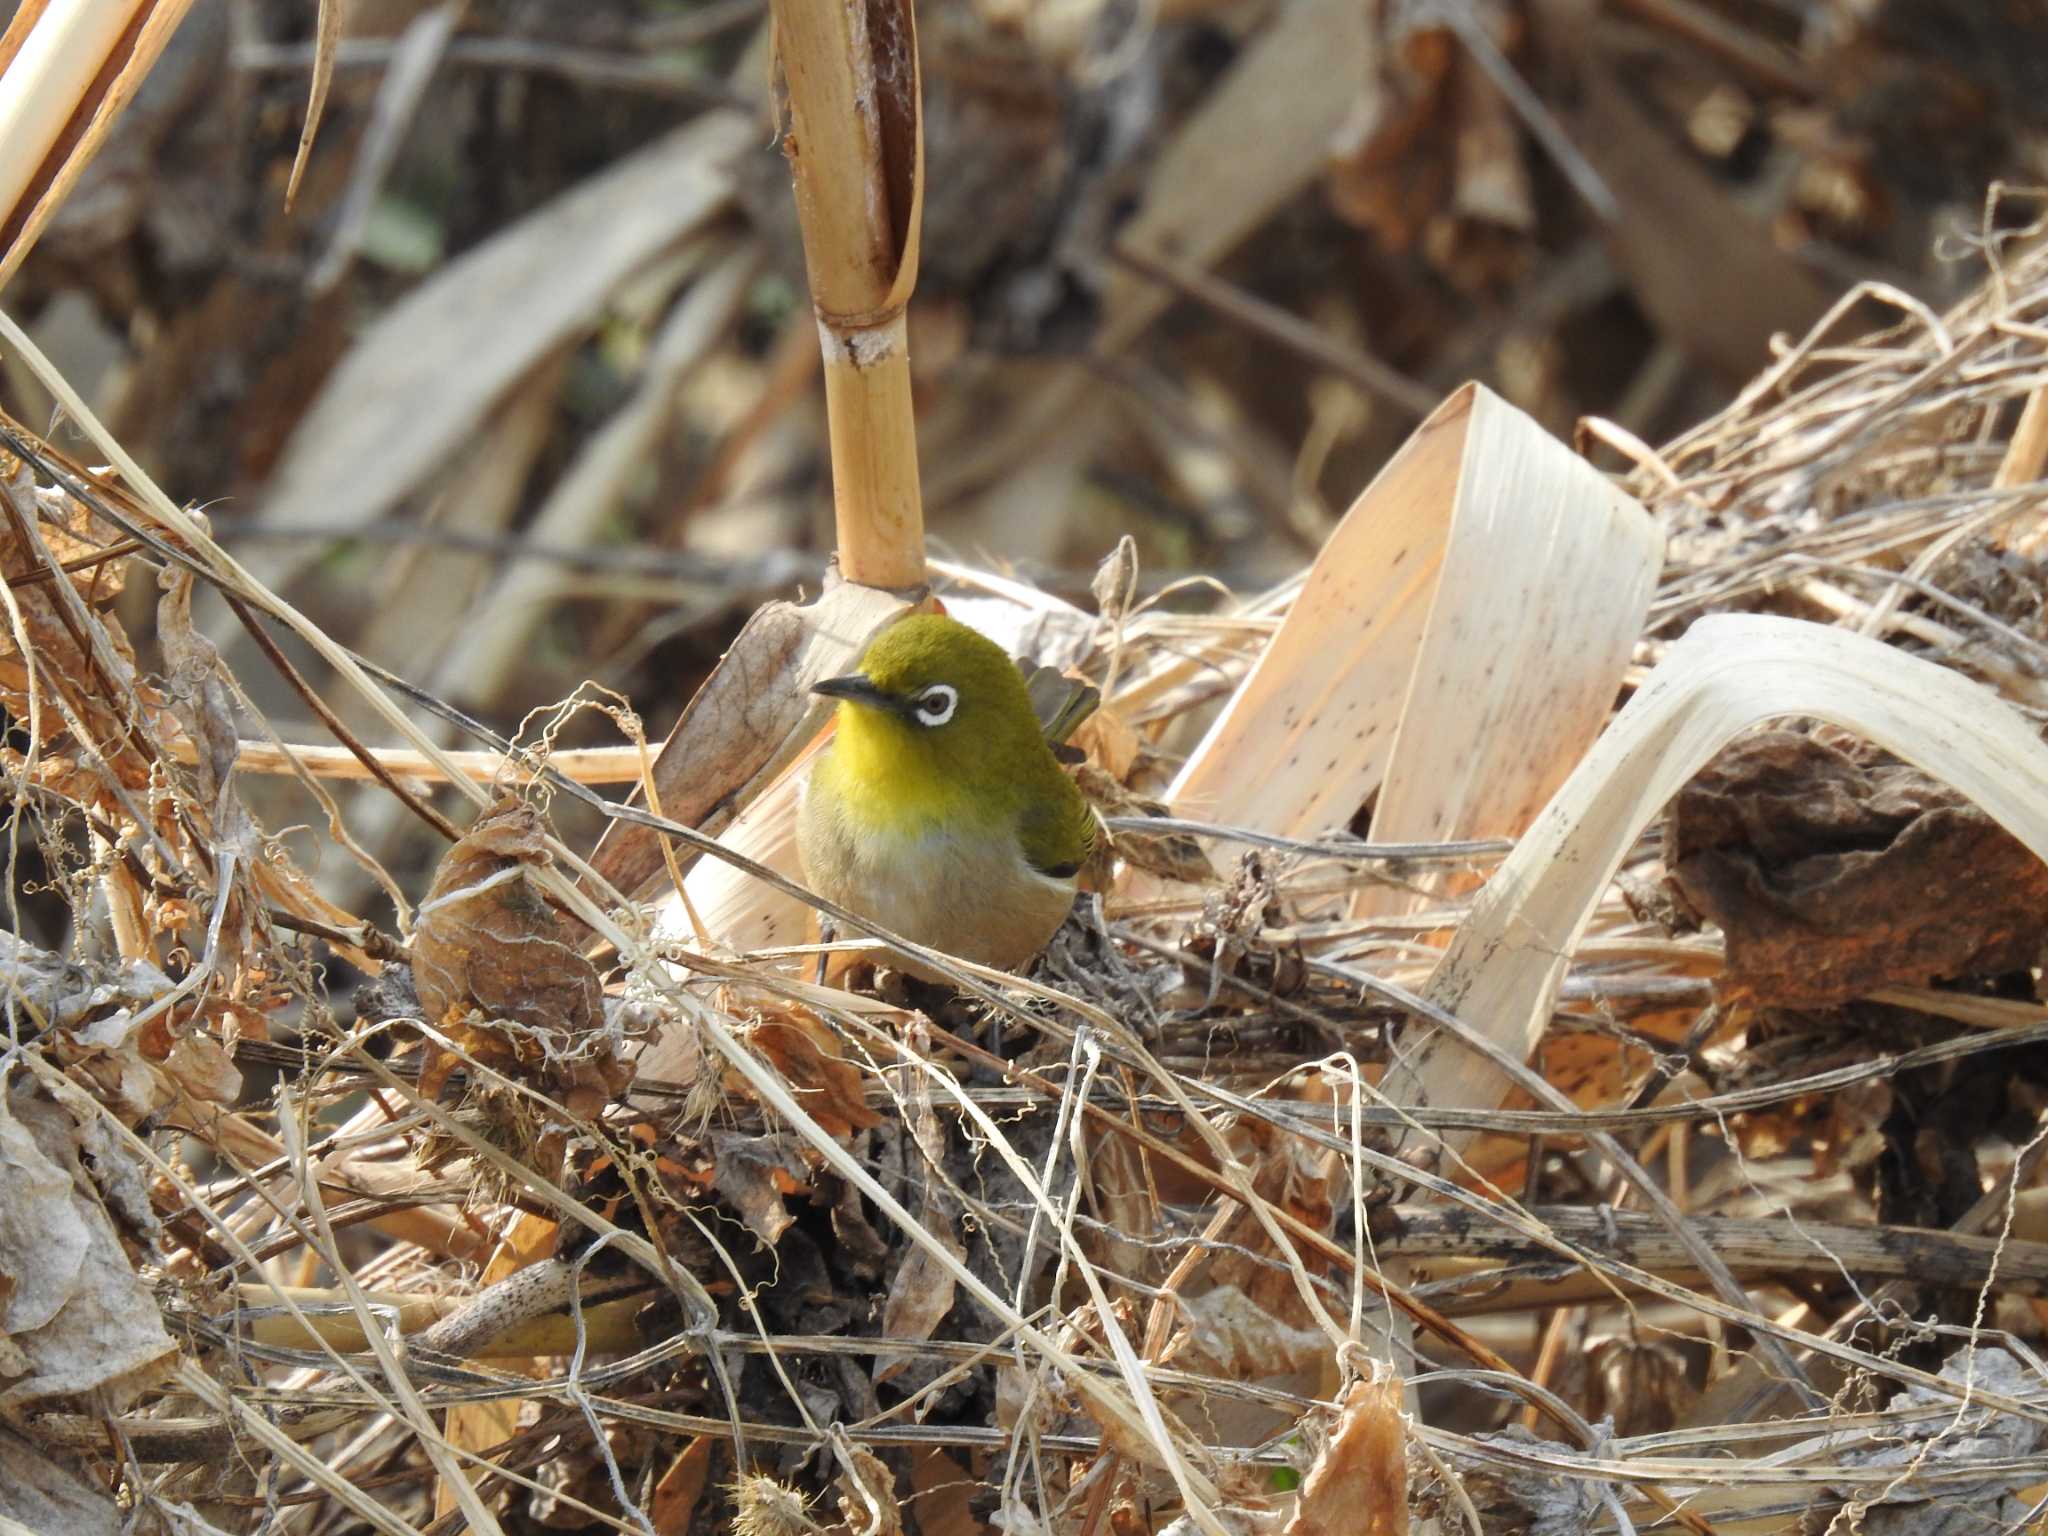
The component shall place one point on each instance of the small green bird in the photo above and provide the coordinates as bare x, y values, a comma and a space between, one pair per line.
938, 810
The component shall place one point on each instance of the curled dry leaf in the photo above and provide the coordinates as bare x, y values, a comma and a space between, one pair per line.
1359, 1484
1230, 1334
97, 1023
1834, 871
488, 942
867, 1501
828, 1086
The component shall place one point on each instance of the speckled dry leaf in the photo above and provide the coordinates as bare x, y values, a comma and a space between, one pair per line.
1359, 1484
1455, 648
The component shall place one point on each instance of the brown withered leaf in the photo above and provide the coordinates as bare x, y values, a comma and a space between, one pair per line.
1385, 176
1834, 871
1359, 1484
1110, 743
681, 1487
1640, 1383
73, 536
868, 1504
488, 942
825, 1083
944, 1495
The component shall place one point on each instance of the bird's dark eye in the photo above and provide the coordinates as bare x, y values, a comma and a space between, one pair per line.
936, 704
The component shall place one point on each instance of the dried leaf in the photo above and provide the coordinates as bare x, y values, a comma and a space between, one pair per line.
922, 1292
1359, 1484
826, 1084
1231, 1335
1834, 872
488, 941
1111, 744
943, 1491
753, 1173
867, 1503
1729, 673
70, 1300
326, 39
39, 1496
1638, 1383
680, 1488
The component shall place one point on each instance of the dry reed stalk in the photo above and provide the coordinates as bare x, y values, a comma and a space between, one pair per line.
857, 151
71, 66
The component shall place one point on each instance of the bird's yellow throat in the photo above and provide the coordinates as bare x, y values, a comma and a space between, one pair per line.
882, 779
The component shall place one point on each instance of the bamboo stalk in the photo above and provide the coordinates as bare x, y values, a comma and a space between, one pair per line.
856, 149
67, 78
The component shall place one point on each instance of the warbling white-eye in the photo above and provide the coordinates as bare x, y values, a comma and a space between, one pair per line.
938, 810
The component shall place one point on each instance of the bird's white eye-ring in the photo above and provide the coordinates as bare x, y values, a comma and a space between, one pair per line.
936, 704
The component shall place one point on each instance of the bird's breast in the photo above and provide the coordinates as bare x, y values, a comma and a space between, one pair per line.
937, 881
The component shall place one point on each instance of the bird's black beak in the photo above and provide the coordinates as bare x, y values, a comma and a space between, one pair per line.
858, 689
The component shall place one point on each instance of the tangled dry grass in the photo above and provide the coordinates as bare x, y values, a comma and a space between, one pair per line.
594, 1219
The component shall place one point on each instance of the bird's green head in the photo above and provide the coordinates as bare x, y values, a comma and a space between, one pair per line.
932, 698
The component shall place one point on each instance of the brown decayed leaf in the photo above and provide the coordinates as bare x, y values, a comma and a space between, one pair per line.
942, 1489
1359, 1484
753, 1173
681, 1486
488, 942
869, 1506
825, 1083
1377, 180
1640, 1383
1110, 743
1834, 872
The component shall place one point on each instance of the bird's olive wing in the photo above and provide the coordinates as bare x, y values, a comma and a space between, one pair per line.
1057, 831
